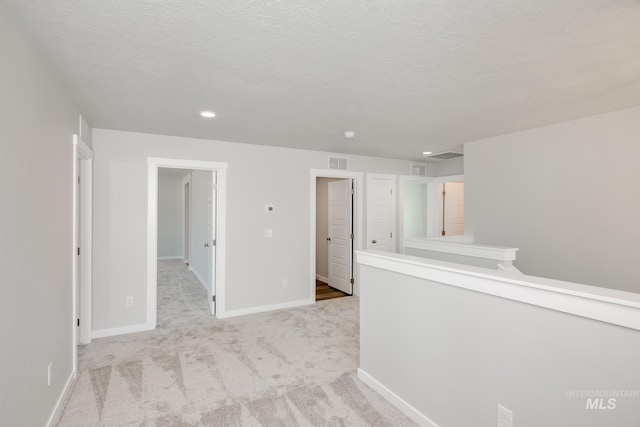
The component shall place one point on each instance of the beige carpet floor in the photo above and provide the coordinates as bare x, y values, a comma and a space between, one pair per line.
293, 367
181, 297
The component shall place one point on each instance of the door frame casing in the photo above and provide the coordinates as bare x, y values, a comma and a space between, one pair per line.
153, 163
357, 219
83, 168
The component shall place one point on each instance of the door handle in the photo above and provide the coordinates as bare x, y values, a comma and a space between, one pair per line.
328, 239
374, 241
206, 245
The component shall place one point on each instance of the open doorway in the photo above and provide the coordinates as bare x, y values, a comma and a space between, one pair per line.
201, 211
336, 212
430, 207
452, 218
334, 238
414, 209
183, 289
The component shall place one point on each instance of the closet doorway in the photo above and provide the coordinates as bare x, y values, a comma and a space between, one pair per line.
334, 238
336, 211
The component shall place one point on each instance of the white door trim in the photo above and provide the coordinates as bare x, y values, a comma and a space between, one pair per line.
152, 229
84, 169
357, 216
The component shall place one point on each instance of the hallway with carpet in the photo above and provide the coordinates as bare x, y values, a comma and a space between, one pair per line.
181, 297
293, 367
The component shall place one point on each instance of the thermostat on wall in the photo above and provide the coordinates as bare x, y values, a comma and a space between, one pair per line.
269, 208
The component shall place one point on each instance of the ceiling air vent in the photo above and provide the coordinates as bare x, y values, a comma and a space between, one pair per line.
446, 155
418, 169
338, 163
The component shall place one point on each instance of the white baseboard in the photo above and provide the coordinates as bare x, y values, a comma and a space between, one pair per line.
322, 278
395, 400
162, 258
62, 400
102, 333
263, 308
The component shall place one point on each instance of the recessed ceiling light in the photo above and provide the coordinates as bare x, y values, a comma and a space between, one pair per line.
426, 153
207, 114
349, 134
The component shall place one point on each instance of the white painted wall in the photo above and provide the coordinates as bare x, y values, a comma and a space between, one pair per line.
415, 199
450, 167
199, 227
322, 226
567, 195
170, 216
454, 354
257, 175
37, 120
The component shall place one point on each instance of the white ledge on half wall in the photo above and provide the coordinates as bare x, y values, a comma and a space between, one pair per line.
461, 245
602, 304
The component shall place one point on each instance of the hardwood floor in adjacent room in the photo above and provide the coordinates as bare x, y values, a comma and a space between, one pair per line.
324, 291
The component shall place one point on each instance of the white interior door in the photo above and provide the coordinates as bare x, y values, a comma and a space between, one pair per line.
187, 220
202, 228
381, 208
453, 212
82, 242
77, 243
211, 232
340, 237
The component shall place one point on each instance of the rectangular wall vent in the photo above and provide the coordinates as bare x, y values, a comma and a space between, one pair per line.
418, 169
336, 162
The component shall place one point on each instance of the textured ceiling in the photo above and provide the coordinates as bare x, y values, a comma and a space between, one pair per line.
407, 76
